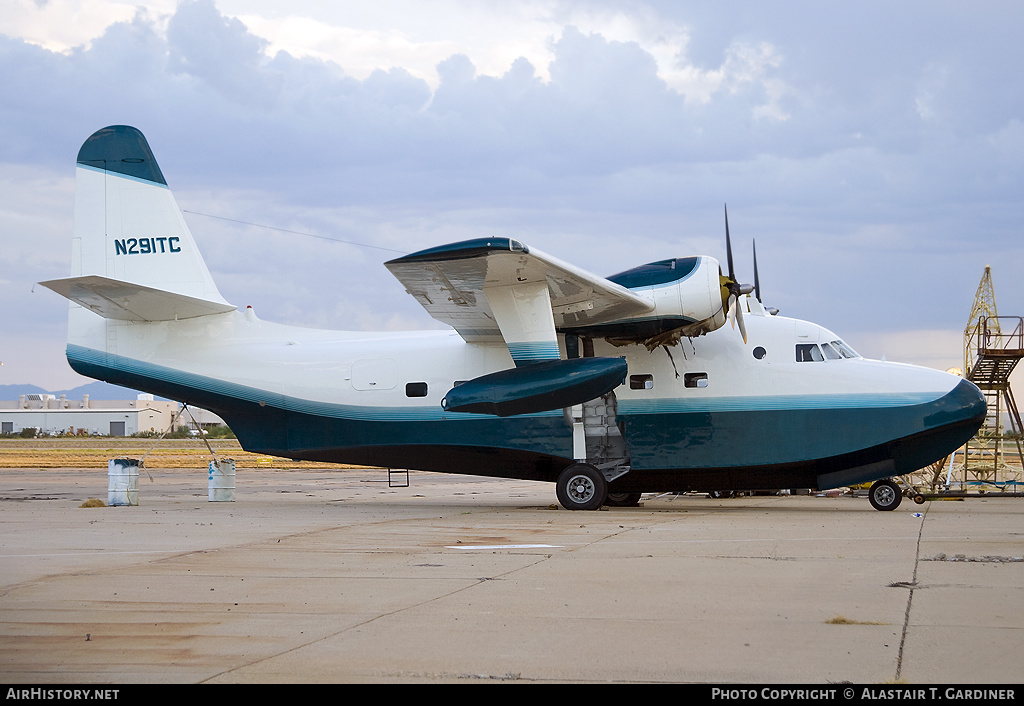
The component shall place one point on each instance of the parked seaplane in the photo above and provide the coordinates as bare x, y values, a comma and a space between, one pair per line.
608, 387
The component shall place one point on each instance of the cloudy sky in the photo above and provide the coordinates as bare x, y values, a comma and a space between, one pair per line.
874, 150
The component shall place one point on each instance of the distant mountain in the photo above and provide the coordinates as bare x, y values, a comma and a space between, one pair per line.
95, 390
11, 392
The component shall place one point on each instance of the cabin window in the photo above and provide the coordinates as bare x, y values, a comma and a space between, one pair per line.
760, 352
695, 379
641, 382
808, 352
415, 389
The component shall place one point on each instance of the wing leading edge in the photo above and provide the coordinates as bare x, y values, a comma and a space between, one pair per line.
494, 289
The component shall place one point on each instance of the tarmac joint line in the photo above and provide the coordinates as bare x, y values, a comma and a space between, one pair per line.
912, 585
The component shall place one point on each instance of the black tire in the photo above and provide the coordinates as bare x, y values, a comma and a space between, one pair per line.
622, 499
885, 495
581, 487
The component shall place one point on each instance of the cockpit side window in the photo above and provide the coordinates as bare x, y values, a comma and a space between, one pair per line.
845, 350
830, 352
808, 353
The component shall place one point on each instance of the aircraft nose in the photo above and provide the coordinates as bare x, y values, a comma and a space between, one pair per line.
964, 406
948, 424
977, 407
974, 405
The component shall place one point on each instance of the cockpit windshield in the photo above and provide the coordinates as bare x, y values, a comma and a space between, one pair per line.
830, 352
845, 350
813, 353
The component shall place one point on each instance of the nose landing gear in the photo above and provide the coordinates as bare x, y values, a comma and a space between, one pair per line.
885, 495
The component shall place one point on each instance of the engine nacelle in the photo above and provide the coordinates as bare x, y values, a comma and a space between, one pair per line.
689, 295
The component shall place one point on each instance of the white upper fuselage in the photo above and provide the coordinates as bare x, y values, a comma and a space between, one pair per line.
371, 369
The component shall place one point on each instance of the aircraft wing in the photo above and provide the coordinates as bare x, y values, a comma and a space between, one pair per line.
499, 289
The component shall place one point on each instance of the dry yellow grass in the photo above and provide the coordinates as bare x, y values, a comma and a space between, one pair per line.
95, 452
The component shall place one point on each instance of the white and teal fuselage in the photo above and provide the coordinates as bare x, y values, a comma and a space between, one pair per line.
710, 412
343, 396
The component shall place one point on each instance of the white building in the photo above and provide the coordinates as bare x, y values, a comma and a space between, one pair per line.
53, 416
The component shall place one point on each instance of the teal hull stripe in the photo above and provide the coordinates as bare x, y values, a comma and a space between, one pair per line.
743, 432
245, 393
765, 403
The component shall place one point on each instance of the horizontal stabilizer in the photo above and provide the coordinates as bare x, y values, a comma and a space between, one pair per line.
125, 301
537, 388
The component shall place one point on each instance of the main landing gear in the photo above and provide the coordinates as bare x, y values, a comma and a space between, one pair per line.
623, 499
581, 487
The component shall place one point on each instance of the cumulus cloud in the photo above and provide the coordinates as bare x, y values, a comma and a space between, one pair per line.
603, 106
221, 53
873, 150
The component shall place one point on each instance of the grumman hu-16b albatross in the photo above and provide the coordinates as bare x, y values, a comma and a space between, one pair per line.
608, 387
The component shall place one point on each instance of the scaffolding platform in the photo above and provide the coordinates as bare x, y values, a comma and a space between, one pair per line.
994, 345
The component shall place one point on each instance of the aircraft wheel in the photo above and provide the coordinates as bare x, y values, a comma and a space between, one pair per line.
581, 487
885, 495
623, 499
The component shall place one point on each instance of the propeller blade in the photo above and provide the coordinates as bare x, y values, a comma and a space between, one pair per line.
739, 317
757, 286
736, 315
728, 246
734, 287
757, 282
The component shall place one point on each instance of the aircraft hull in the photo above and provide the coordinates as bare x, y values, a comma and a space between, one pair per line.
671, 449
898, 456
742, 433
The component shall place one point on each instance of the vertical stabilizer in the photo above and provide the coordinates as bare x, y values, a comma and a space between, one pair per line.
127, 224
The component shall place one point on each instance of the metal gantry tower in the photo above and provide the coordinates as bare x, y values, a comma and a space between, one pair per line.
993, 345
984, 307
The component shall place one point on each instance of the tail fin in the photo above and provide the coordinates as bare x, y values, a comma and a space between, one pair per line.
133, 257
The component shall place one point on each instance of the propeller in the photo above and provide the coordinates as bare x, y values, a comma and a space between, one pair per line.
757, 286
757, 282
735, 289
